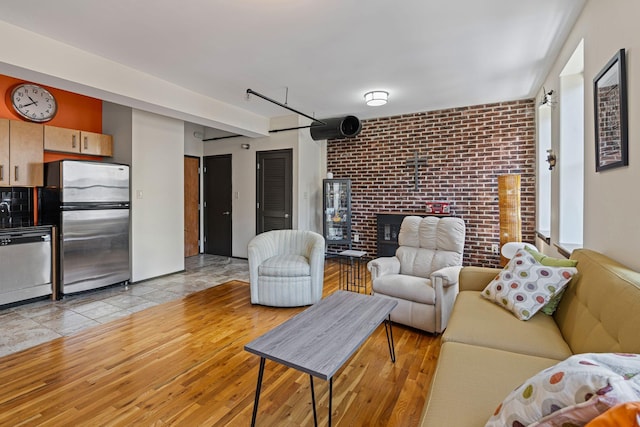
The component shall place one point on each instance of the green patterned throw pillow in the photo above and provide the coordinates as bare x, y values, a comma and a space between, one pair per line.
552, 305
525, 285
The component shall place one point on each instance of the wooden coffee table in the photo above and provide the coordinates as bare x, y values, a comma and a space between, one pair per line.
322, 338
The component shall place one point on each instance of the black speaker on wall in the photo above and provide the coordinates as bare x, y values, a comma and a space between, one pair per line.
338, 127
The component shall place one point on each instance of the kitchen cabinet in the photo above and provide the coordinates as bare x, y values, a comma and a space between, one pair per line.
61, 139
76, 141
4, 152
96, 144
21, 152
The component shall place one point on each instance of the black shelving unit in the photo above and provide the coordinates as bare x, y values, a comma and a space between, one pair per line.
336, 210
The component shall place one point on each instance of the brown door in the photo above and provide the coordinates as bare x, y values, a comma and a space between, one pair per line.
217, 205
274, 190
191, 209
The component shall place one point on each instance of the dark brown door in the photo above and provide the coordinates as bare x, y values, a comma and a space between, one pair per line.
191, 201
217, 205
274, 190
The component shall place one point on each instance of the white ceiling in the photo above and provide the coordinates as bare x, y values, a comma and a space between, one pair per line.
427, 54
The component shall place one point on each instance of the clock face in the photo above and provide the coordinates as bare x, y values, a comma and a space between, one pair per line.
33, 102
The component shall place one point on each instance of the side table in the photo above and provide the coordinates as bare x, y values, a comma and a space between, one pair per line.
353, 271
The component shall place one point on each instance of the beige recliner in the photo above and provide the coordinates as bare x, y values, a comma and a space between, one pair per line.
423, 275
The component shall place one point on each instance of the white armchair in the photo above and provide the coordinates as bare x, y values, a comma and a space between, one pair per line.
286, 268
423, 275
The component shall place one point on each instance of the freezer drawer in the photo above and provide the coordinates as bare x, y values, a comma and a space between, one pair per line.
83, 182
94, 249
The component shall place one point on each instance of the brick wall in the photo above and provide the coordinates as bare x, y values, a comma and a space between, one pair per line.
466, 149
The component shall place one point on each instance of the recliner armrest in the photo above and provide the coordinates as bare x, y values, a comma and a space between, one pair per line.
447, 275
382, 266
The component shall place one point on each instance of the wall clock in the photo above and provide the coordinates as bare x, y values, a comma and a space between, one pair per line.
33, 102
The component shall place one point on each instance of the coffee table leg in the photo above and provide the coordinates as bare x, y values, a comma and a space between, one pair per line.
313, 401
258, 387
330, 398
389, 330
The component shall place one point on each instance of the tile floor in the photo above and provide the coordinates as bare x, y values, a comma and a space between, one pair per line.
31, 324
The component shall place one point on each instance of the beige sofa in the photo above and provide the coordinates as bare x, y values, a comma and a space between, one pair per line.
487, 352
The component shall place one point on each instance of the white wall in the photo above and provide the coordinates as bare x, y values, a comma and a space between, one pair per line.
611, 204
312, 170
157, 185
153, 146
243, 165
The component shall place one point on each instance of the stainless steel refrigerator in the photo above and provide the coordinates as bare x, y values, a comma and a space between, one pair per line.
89, 203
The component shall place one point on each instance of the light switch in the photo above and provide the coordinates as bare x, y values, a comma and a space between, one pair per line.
138, 194
236, 195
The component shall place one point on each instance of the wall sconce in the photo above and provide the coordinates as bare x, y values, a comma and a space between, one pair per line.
245, 146
551, 159
547, 97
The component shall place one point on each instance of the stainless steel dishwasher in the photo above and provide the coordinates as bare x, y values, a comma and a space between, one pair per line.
25, 264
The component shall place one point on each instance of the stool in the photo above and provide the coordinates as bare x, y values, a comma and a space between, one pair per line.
353, 271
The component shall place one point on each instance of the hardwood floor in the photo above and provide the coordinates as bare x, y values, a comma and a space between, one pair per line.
183, 363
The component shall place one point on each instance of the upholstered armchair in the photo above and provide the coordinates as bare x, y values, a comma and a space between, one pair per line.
286, 268
423, 275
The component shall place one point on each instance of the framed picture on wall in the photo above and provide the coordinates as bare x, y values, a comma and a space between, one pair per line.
611, 122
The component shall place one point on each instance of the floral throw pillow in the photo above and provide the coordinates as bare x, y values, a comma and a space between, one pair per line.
552, 305
525, 285
571, 393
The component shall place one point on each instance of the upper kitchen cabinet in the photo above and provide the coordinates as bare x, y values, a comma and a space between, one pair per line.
21, 152
61, 139
75, 141
96, 144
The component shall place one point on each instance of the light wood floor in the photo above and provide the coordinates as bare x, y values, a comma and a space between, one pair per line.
183, 363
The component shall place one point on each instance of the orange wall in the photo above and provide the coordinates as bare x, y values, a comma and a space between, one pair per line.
74, 111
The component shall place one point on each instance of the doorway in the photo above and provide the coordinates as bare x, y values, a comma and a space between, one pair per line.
191, 206
217, 205
274, 190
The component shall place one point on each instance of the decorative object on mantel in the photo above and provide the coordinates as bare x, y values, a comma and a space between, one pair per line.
509, 204
376, 98
611, 118
415, 163
438, 208
551, 159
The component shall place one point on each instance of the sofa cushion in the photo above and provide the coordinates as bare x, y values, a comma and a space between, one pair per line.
471, 381
525, 285
600, 309
409, 288
286, 265
572, 392
475, 320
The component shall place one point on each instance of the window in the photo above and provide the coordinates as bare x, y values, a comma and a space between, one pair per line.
543, 196
571, 153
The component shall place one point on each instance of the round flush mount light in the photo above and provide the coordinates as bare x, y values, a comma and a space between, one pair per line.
376, 98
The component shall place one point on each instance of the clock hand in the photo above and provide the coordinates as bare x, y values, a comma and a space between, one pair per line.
26, 105
32, 101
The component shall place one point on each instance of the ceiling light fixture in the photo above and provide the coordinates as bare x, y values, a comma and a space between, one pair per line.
376, 98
